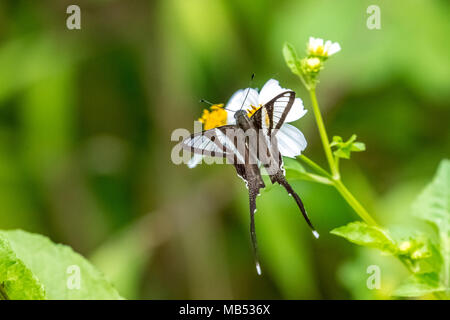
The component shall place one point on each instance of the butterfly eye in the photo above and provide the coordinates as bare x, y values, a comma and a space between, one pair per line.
239, 113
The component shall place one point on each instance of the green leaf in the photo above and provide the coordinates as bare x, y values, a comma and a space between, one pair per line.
33, 267
292, 61
344, 149
16, 280
293, 165
421, 255
294, 170
358, 146
419, 285
433, 205
367, 236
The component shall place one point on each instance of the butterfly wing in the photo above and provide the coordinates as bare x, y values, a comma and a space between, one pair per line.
270, 118
223, 142
272, 115
217, 142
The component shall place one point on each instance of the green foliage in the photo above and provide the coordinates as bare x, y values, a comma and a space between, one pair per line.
368, 236
432, 205
421, 255
63, 92
419, 285
294, 170
428, 263
32, 267
298, 66
344, 149
292, 61
16, 280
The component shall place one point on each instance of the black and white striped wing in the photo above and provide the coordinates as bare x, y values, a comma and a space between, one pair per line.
217, 142
272, 115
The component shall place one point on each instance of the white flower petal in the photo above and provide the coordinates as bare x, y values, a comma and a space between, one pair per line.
297, 111
195, 160
335, 47
235, 102
230, 117
269, 91
319, 42
291, 141
252, 99
315, 43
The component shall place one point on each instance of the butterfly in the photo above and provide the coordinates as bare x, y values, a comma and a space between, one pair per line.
250, 144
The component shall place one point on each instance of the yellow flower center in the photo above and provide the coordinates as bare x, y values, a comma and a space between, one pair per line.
213, 118
318, 51
251, 112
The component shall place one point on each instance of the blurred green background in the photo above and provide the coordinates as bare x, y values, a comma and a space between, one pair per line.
86, 117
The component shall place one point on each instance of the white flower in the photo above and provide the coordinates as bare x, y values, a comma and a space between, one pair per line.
316, 47
291, 141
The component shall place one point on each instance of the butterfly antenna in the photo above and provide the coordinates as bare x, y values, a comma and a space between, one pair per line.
211, 104
248, 90
206, 101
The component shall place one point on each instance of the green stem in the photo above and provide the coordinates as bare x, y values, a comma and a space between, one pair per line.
315, 166
346, 194
351, 200
304, 82
3, 294
323, 133
336, 163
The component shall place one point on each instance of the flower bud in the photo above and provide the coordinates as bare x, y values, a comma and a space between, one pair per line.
311, 65
404, 246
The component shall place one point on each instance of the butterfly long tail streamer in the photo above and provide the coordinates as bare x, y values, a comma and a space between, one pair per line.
282, 181
253, 192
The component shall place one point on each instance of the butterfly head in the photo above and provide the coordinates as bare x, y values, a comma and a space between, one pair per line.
240, 114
